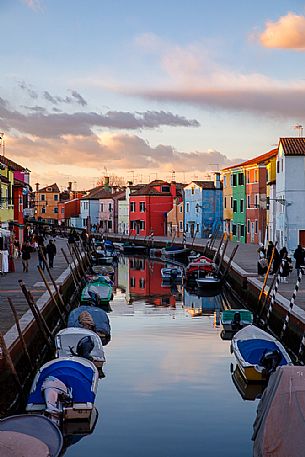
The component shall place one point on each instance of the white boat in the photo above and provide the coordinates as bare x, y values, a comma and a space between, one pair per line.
258, 353
64, 389
75, 341
171, 274
208, 281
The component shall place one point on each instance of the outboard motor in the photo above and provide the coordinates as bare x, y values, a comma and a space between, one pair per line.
270, 361
174, 273
236, 322
55, 393
84, 348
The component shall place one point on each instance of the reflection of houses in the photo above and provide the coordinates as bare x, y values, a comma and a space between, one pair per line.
203, 207
196, 305
175, 219
148, 208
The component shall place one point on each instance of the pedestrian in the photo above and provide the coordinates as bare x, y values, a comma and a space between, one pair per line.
71, 237
276, 260
262, 262
25, 256
299, 258
51, 251
269, 251
42, 253
286, 267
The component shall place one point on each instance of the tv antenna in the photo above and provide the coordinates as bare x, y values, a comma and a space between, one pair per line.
299, 127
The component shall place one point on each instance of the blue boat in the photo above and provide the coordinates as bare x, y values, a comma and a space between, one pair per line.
64, 389
92, 318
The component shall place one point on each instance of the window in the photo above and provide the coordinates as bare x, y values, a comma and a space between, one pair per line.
187, 207
256, 200
132, 225
242, 230
84, 222
224, 181
282, 164
132, 282
256, 226
142, 207
234, 229
43, 210
62, 210
193, 190
132, 207
187, 228
248, 225
278, 166
241, 206
248, 201
142, 283
248, 177
225, 202
102, 207
234, 180
56, 197
255, 175
181, 208
231, 205
142, 225
197, 208
197, 229
241, 181
181, 226
110, 207
55, 210
234, 206
42, 197
165, 189
110, 225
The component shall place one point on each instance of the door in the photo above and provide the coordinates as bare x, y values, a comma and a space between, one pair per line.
238, 232
252, 232
192, 229
302, 238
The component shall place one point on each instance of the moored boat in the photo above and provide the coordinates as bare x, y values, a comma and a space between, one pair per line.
257, 353
278, 430
176, 252
101, 287
233, 320
132, 248
64, 389
80, 342
209, 281
171, 274
91, 318
29, 435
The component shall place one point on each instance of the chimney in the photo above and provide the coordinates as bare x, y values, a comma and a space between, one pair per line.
37, 186
130, 183
106, 181
69, 186
217, 180
173, 189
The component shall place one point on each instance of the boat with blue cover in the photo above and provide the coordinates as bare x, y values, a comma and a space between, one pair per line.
64, 389
91, 318
29, 435
258, 353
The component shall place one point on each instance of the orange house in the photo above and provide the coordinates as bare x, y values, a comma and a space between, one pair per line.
46, 203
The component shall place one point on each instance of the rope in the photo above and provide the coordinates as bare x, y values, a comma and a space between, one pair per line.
276, 286
292, 302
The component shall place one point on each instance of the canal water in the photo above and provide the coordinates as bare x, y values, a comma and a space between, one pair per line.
169, 388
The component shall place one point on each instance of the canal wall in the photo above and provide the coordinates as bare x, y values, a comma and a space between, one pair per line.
246, 287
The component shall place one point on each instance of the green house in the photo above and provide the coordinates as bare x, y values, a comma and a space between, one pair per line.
238, 184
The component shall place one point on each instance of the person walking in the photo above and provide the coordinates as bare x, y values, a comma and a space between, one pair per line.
42, 253
269, 251
299, 258
25, 256
262, 262
51, 251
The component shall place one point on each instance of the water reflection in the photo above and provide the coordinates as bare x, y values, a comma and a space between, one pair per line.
168, 389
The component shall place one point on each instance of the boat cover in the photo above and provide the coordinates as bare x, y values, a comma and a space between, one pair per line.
15, 444
253, 350
36, 426
74, 375
279, 430
98, 315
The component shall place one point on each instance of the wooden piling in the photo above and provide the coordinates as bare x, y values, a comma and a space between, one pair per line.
79, 260
222, 255
230, 262
52, 280
71, 269
23, 343
61, 317
8, 360
76, 266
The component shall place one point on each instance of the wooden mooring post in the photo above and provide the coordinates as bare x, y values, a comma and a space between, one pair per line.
76, 284
52, 296
53, 281
76, 266
8, 360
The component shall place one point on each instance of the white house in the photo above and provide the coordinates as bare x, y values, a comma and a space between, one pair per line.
290, 193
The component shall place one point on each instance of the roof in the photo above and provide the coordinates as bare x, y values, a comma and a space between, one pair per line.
293, 146
256, 160
149, 190
205, 184
51, 188
119, 195
13, 165
96, 193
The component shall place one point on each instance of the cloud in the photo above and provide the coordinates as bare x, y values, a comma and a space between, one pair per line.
35, 5
118, 151
28, 89
287, 32
80, 100
51, 125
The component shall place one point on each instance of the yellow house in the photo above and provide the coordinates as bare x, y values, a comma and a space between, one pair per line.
227, 203
6, 195
271, 196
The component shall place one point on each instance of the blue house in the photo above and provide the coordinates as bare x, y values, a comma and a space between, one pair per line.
203, 211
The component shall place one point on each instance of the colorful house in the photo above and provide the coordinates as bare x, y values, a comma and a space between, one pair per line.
6, 195
203, 207
148, 207
175, 219
271, 199
227, 204
123, 208
290, 193
90, 208
46, 202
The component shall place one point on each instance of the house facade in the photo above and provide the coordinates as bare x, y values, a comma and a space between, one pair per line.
203, 212
175, 219
290, 192
227, 204
271, 199
46, 202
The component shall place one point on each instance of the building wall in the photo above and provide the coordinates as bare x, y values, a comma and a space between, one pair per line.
290, 186
6, 197
239, 217
89, 208
154, 216
227, 203
271, 195
256, 183
175, 220
123, 217
193, 210
46, 208
106, 215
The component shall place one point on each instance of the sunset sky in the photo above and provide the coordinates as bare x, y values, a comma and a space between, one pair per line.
136, 88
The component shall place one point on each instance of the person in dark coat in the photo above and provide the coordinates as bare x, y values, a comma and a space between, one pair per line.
286, 261
276, 260
262, 263
42, 253
51, 251
269, 250
299, 258
26, 255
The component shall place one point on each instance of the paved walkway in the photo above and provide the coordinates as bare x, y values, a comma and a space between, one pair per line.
9, 286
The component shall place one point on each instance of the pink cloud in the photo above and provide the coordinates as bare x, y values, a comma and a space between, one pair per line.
287, 32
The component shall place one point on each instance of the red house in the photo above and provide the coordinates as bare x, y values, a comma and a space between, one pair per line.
148, 207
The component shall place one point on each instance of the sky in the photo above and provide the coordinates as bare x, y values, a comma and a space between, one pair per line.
141, 89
